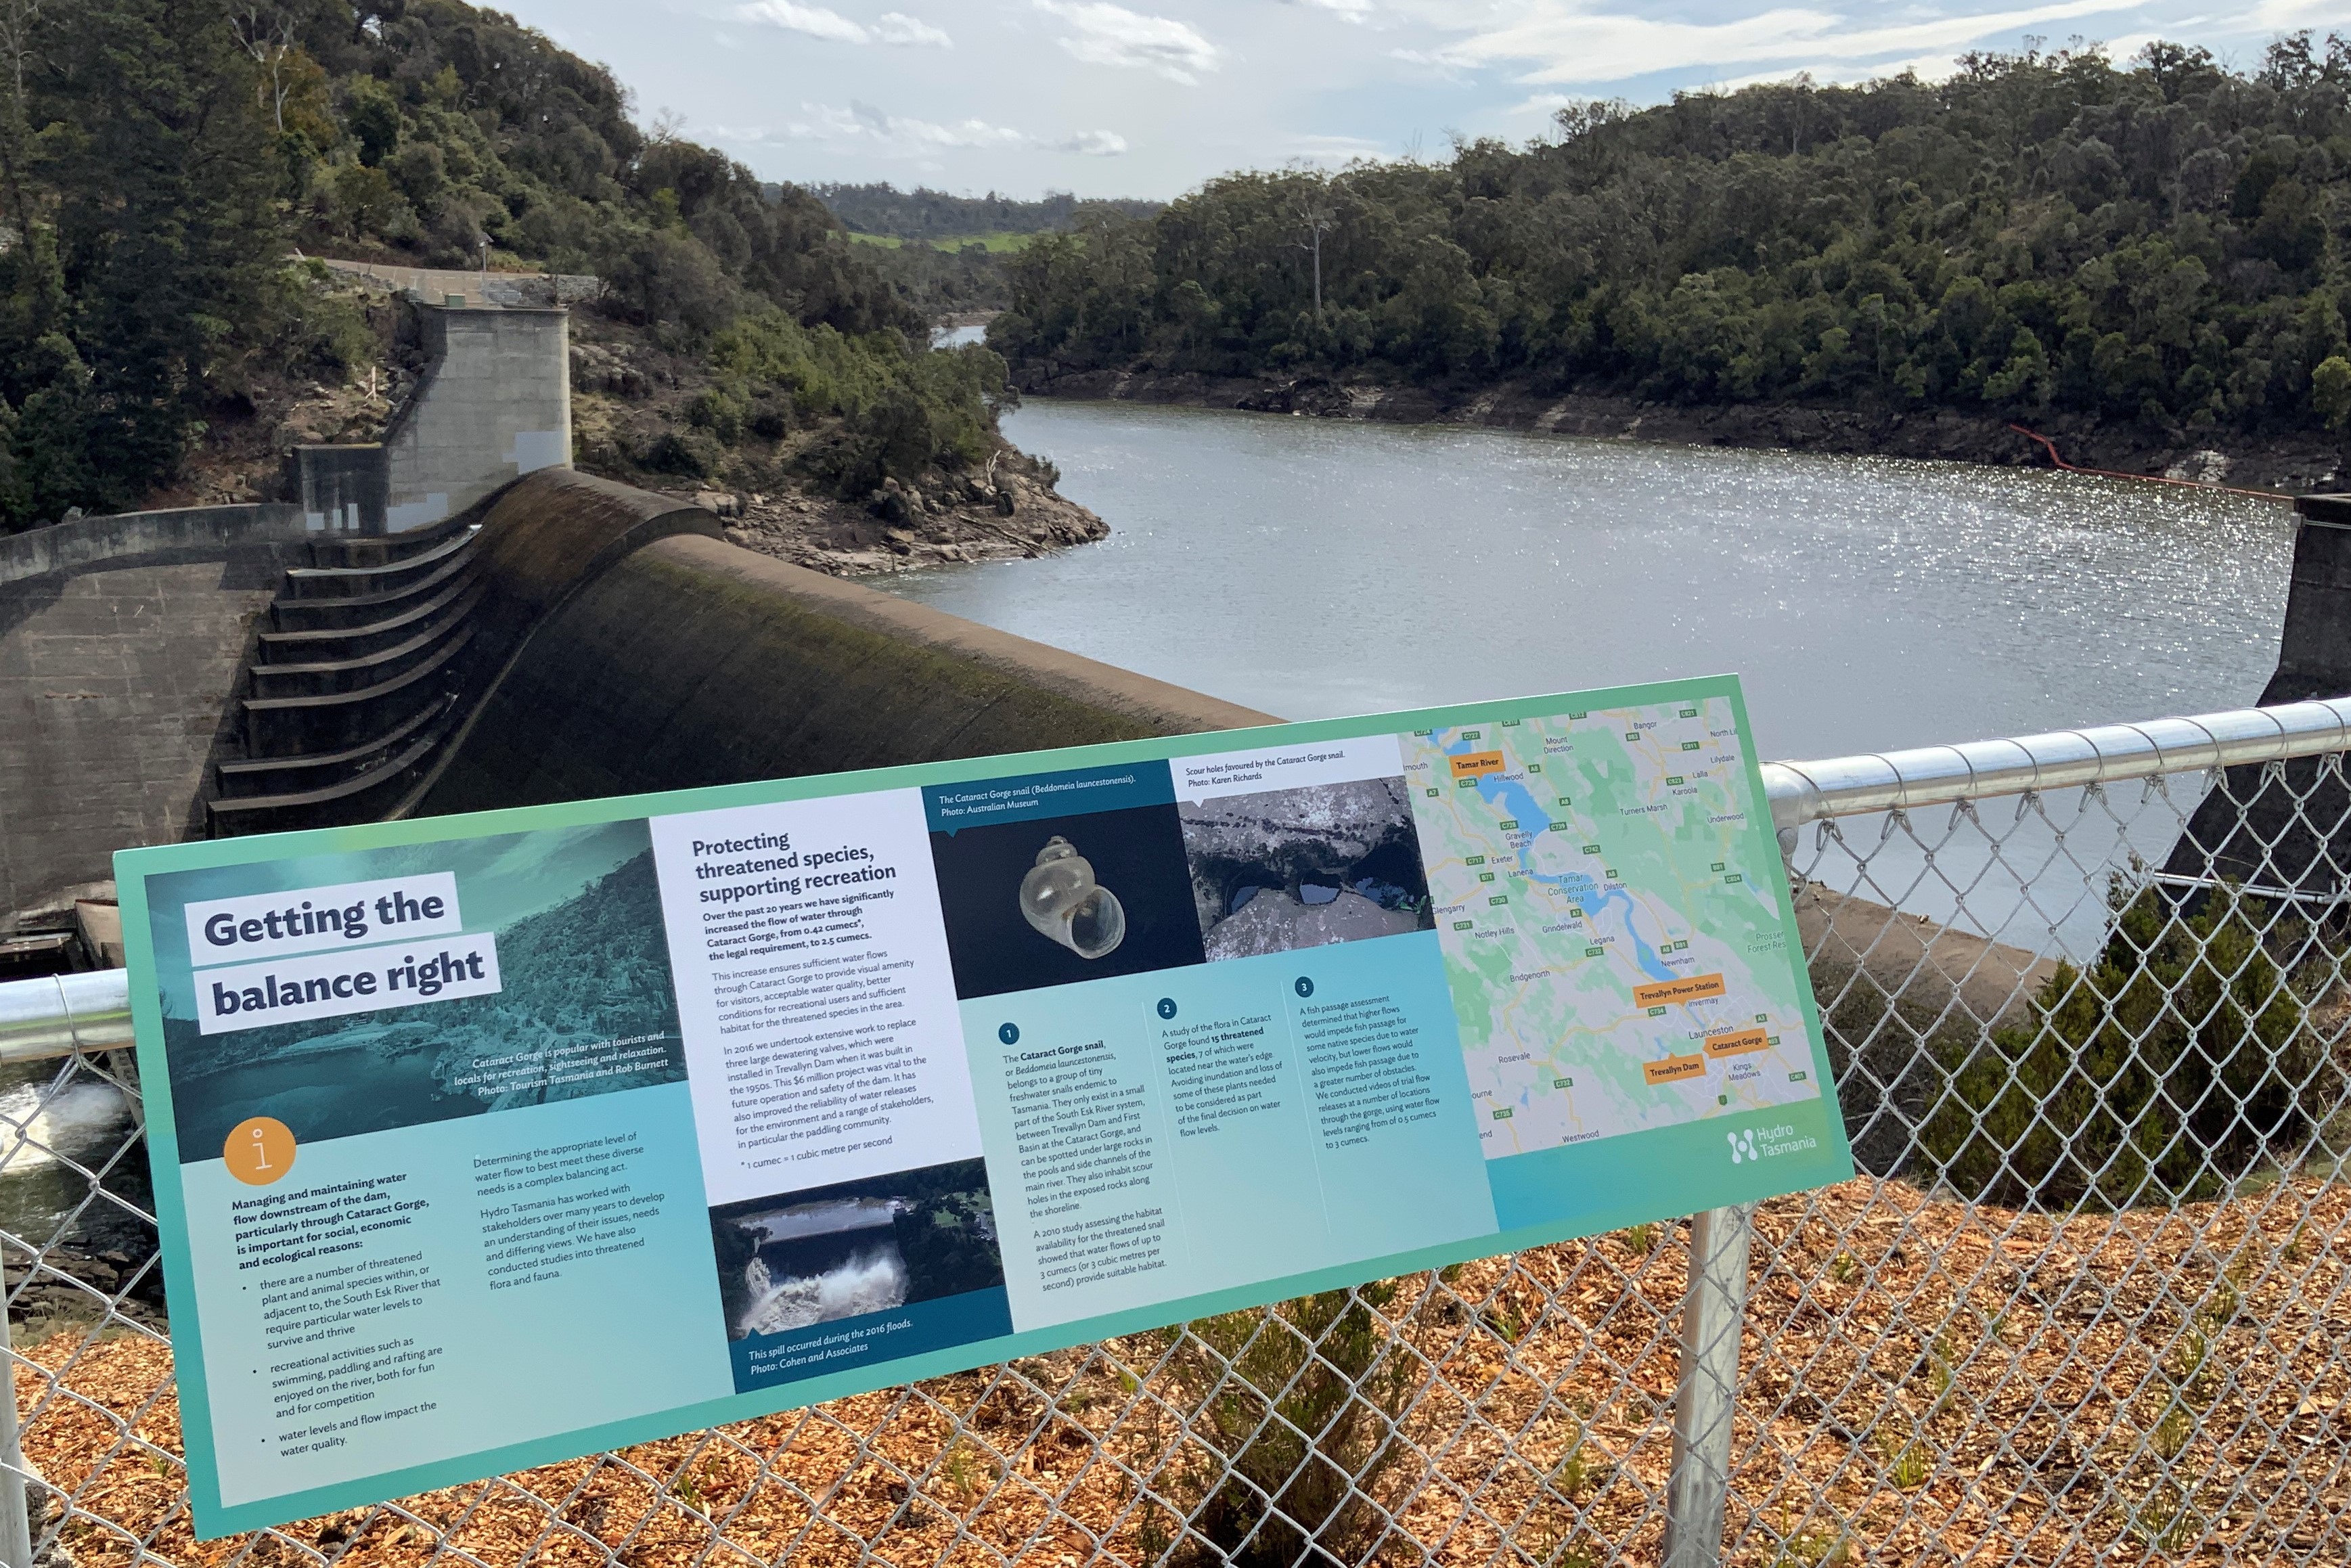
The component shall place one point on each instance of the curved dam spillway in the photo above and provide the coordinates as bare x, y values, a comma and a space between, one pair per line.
373, 661
567, 638
695, 662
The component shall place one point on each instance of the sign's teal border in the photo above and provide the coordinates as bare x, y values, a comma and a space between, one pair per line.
1674, 1181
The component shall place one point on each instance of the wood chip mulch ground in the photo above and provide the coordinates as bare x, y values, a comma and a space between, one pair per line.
1923, 1382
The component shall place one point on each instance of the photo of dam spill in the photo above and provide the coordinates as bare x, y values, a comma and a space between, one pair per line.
818, 1261
823, 1254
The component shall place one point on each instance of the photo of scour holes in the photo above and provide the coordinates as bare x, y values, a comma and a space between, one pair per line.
829, 1253
1306, 867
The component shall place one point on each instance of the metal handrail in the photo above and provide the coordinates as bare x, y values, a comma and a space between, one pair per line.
62, 1014
58, 1015
1805, 792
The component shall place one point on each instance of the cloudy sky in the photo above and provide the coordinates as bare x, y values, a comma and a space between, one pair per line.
1147, 97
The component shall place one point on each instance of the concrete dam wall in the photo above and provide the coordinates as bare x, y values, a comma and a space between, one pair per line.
121, 642
693, 661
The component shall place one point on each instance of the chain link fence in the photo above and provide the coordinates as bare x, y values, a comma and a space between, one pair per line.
2086, 1303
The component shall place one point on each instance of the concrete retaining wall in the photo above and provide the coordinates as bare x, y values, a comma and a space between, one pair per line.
695, 662
87, 539
494, 404
343, 487
503, 288
121, 639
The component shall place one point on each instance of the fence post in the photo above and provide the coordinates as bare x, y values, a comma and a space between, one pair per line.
16, 1513
1713, 1314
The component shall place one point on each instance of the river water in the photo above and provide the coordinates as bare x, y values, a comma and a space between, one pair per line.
62, 1128
1312, 568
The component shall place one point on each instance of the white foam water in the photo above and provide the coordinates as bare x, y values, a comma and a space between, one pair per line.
870, 1280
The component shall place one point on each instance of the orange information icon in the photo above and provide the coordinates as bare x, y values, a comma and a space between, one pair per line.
259, 1151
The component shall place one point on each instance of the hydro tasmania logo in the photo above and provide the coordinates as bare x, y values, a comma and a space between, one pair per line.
1757, 1144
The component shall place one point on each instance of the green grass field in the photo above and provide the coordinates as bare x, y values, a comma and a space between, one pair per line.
1000, 241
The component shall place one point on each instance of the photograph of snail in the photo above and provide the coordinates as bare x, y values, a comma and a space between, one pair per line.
1061, 899
1056, 900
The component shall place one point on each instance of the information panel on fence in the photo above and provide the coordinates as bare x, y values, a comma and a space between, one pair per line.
484, 1142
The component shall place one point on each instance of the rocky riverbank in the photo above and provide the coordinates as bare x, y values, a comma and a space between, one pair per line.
1009, 511
2288, 464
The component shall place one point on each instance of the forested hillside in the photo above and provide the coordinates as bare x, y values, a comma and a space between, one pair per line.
927, 214
934, 259
2161, 243
161, 160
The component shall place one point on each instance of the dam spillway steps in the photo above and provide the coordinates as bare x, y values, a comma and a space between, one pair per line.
353, 687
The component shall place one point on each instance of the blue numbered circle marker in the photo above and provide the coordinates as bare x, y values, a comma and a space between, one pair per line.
1167, 1007
1009, 1034
1304, 987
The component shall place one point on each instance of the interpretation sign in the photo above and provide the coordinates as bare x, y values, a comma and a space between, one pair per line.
484, 1142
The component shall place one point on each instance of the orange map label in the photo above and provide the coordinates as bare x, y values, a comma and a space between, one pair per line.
1477, 763
1689, 988
1738, 1042
1674, 1069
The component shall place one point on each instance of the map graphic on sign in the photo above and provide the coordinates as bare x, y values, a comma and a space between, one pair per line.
1615, 950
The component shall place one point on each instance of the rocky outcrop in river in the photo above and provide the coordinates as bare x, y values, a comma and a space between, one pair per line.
901, 526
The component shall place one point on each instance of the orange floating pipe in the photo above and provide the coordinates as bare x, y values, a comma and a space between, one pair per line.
2051, 447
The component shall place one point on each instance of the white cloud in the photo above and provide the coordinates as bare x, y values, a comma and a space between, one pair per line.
816, 22
1110, 35
863, 127
1334, 149
865, 120
2125, 49
2292, 15
1093, 144
1434, 65
1561, 42
1829, 73
1352, 10
896, 27
813, 20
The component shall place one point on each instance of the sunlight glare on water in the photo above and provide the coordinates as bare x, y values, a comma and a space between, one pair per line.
1311, 568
